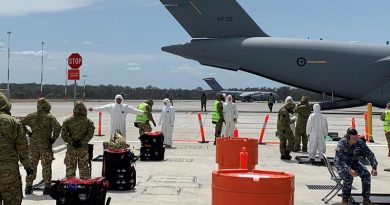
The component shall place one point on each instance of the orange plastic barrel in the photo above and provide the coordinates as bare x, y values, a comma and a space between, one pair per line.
228, 152
232, 187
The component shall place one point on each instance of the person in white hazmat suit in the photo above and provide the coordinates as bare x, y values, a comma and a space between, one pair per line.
316, 129
118, 112
167, 120
230, 114
293, 118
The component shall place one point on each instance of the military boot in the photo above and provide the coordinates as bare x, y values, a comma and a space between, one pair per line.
46, 191
28, 190
367, 201
344, 201
287, 155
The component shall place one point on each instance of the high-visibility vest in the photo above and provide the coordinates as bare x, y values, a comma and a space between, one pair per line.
141, 118
386, 122
271, 99
215, 115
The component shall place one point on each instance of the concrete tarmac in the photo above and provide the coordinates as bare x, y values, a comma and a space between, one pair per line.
184, 177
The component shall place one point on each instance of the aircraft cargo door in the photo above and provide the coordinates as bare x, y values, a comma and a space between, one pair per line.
385, 88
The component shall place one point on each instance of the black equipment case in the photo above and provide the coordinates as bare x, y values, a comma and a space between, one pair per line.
118, 168
152, 146
70, 191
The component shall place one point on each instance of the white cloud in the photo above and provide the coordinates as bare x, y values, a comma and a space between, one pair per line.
23, 7
133, 66
87, 43
195, 70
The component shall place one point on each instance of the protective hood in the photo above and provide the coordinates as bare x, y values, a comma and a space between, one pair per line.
317, 109
120, 97
43, 105
288, 99
79, 109
167, 102
229, 99
5, 105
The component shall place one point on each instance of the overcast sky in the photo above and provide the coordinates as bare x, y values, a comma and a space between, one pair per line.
121, 40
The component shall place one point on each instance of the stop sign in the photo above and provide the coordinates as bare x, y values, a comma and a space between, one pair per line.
75, 60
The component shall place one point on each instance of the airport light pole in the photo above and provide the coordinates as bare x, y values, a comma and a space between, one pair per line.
84, 76
9, 53
42, 70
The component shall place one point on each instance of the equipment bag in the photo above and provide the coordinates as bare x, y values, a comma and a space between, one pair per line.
154, 139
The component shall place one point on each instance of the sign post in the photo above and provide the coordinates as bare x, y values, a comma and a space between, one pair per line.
74, 61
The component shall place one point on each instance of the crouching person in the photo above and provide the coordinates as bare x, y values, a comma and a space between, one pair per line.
77, 131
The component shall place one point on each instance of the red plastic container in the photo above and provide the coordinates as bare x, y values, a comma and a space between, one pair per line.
228, 152
233, 187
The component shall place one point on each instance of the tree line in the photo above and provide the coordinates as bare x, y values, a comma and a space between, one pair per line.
95, 92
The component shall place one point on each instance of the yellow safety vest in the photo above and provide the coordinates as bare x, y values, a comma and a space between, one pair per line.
386, 122
215, 115
271, 99
141, 118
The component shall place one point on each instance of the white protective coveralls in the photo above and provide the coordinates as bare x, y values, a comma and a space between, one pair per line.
118, 114
230, 114
293, 118
316, 129
167, 120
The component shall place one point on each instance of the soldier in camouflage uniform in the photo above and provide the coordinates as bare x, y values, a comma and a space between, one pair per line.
45, 131
303, 110
284, 131
13, 147
348, 166
142, 121
77, 131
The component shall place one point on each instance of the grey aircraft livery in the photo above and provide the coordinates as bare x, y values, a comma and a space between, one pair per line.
244, 96
225, 36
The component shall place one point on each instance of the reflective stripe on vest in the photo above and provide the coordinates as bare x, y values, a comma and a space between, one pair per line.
142, 118
215, 115
386, 122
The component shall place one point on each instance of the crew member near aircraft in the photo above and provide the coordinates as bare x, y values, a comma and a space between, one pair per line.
385, 117
271, 101
348, 166
13, 147
284, 131
317, 129
167, 121
77, 131
230, 114
303, 111
142, 120
203, 101
217, 116
45, 131
118, 112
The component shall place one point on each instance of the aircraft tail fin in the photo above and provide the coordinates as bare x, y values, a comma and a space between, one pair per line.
214, 85
213, 18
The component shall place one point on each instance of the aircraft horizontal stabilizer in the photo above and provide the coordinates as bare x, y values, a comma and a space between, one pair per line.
213, 18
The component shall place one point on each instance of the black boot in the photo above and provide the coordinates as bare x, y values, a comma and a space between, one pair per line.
46, 191
28, 190
287, 155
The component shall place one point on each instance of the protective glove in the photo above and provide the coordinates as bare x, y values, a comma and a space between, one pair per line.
29, 171
76, 144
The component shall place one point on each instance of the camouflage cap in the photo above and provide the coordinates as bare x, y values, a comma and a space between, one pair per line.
79, 109
5, 105
43, 105
290, 105
304, 100
150, 102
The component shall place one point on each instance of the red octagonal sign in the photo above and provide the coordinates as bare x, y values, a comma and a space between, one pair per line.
75, 60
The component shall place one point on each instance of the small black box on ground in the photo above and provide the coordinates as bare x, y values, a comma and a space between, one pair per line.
118, 168
73, 190
152, 146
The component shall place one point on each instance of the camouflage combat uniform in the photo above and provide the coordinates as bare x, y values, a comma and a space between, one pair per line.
45, 131
77, 131
13, 147
142, 121
117, 141
347, 158
303, 110
284, 131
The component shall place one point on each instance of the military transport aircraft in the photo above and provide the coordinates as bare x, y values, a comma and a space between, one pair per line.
225, 36
244, 96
